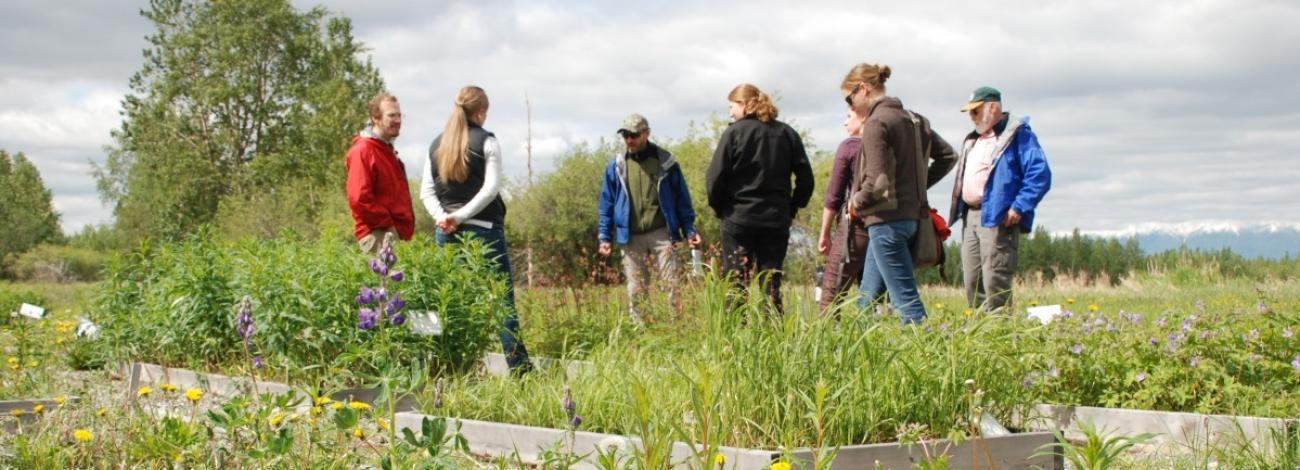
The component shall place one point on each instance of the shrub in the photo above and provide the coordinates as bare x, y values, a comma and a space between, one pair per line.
57, 263
175, 304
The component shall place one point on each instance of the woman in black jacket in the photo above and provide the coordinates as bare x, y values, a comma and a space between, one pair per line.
750, 189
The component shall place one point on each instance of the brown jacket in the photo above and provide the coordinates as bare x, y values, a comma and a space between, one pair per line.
884, 181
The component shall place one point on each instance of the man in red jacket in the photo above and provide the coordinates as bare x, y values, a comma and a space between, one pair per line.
377, 191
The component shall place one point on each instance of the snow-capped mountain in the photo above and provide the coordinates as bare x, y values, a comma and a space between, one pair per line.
1251, 240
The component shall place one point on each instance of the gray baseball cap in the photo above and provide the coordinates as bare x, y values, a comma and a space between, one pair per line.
634, 123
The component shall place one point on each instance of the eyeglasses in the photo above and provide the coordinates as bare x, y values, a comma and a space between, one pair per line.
848, 99
631, 135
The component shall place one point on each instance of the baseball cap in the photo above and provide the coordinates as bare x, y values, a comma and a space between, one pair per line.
634, 123
980, 96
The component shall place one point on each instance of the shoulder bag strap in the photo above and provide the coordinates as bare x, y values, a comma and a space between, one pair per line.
921, 167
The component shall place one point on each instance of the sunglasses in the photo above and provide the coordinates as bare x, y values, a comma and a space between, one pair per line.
848, 99
631, 135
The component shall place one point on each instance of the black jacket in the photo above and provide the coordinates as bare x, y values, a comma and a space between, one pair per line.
455, 195
749, 179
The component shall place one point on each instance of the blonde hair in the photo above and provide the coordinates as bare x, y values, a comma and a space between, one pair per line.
871, 74
754, 101
373, 106
453, 151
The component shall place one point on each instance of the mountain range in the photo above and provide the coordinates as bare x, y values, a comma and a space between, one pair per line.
1266, 240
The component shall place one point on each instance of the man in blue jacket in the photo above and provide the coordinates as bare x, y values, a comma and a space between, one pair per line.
645, 206
1002, 175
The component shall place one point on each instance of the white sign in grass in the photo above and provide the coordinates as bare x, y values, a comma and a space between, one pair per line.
31, 311
425, 323
1045, 313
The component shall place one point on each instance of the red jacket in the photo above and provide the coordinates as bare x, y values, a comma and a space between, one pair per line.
377, 188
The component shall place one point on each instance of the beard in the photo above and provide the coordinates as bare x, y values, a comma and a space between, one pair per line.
987, 117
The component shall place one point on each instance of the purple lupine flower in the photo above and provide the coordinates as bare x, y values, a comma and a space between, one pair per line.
257, 362
1087, 328
1154, 342
1142, 376
1188, 322
366, 297
1066, 314
398, 319
381, 295
1194, 361
1134, 318
367, 318
396, 304
388, 256
397, 276
570, 406
575, 422
1261, 307
1077, 349
378, 267
244, 324
1286, 333
1295, 363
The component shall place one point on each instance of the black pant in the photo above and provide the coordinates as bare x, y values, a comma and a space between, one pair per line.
747, 250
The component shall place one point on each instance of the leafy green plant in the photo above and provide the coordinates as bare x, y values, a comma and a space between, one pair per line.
1097, 451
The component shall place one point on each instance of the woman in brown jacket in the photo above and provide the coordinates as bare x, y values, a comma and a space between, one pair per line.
886, 195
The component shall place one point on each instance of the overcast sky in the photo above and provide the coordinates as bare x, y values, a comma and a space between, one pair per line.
1159, 111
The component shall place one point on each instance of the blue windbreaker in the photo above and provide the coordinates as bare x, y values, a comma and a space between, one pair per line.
1019, 179
615, 207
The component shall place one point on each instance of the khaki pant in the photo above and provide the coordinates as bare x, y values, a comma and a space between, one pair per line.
373, 241
988, 262
643, 250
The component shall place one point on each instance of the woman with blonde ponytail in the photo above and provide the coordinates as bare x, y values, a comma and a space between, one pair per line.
750, 189
461, 188
887, 197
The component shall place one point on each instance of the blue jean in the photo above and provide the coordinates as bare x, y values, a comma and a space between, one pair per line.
889, 266
495, 241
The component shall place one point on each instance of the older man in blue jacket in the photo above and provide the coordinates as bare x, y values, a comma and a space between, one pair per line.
645, 206
1002, 175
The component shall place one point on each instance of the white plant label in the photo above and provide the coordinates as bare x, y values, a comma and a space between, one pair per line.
1045, 313
31, 311
425, 323
86, 329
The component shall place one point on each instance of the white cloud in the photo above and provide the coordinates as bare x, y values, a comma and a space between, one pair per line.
1150, 111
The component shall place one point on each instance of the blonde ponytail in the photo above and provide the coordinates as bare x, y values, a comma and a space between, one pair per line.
453, 150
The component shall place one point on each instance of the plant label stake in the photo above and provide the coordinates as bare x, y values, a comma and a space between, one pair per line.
31, 311
1046, 313
425, 323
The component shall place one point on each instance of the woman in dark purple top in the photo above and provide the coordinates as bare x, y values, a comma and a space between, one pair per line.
842, 272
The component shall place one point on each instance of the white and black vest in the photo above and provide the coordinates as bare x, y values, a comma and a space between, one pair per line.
455, 195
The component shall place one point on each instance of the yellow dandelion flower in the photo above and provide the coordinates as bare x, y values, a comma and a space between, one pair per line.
1070, 301
13, 361
276, 419
322, 401
719, 459
968, 312
938, 306
32, 364
316, 410
780, 466
1093, 308
58, 341
60, 400
336, 406
169, 388
38, 409
144, 391
82, 435
382, 423
179, 458
17, 412
1033, 303
358, 433
359, 406
194, 395
101, 412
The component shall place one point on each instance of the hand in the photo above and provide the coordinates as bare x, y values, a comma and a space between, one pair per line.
448, 225
824, 243
605, 249
695, 240
853, 213
1013, 218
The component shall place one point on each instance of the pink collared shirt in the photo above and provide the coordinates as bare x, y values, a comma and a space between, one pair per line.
979, 162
